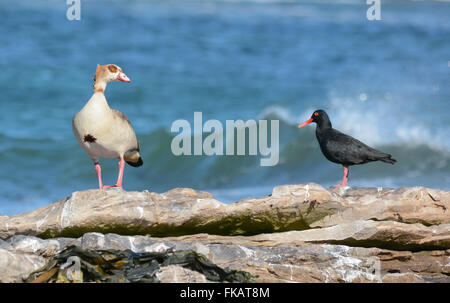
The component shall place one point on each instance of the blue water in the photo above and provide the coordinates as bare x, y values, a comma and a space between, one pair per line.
385, 82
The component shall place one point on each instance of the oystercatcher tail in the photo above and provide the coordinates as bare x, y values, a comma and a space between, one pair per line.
341, 148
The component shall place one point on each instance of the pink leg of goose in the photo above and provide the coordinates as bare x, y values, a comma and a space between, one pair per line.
120, 177
98, 169
344, 179
121, 168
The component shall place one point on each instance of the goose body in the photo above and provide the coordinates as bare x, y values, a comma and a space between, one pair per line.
102, 131
105, 132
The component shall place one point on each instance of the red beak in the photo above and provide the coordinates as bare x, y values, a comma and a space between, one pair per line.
123, 77
306, 123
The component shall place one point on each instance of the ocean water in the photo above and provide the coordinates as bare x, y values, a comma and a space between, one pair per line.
385, 82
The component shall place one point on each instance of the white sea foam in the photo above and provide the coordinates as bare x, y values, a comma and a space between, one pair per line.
375, 123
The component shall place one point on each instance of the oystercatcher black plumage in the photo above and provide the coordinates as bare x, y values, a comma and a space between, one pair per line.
341, 148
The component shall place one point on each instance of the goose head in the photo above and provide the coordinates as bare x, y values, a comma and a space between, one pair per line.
108, 73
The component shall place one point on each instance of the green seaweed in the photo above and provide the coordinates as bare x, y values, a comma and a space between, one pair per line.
119, 266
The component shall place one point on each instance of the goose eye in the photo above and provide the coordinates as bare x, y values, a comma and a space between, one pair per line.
112, 68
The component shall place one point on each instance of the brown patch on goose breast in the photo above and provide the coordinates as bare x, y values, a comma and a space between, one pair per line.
89, 138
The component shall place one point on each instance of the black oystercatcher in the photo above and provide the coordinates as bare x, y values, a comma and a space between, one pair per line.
341, 148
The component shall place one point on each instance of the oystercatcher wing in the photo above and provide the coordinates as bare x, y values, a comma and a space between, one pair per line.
346, 150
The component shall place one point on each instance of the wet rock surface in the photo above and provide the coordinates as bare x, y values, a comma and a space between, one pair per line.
282, 261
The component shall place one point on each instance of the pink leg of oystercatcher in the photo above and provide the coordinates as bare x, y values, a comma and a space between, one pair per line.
344, 179
120, 177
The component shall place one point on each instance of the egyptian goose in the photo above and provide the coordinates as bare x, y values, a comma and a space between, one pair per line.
105, 132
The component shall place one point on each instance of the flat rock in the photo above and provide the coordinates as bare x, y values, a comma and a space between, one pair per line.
183, 211
16, 266
178, 274
367, 233
277, 261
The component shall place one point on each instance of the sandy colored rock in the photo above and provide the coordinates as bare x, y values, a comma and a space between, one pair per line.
271, 261
405, 204
301, 233
16, 266
178, 274
176, 212
186, 211
402, 278
384, 234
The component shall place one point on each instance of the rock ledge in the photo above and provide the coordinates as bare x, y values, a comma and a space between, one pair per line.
301, 233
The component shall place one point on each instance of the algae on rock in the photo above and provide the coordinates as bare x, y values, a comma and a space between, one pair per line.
75, 264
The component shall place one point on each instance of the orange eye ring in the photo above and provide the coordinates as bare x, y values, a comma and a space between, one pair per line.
112, 68
316, 114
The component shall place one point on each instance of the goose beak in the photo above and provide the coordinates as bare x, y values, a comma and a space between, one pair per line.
305, 123
123, 77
